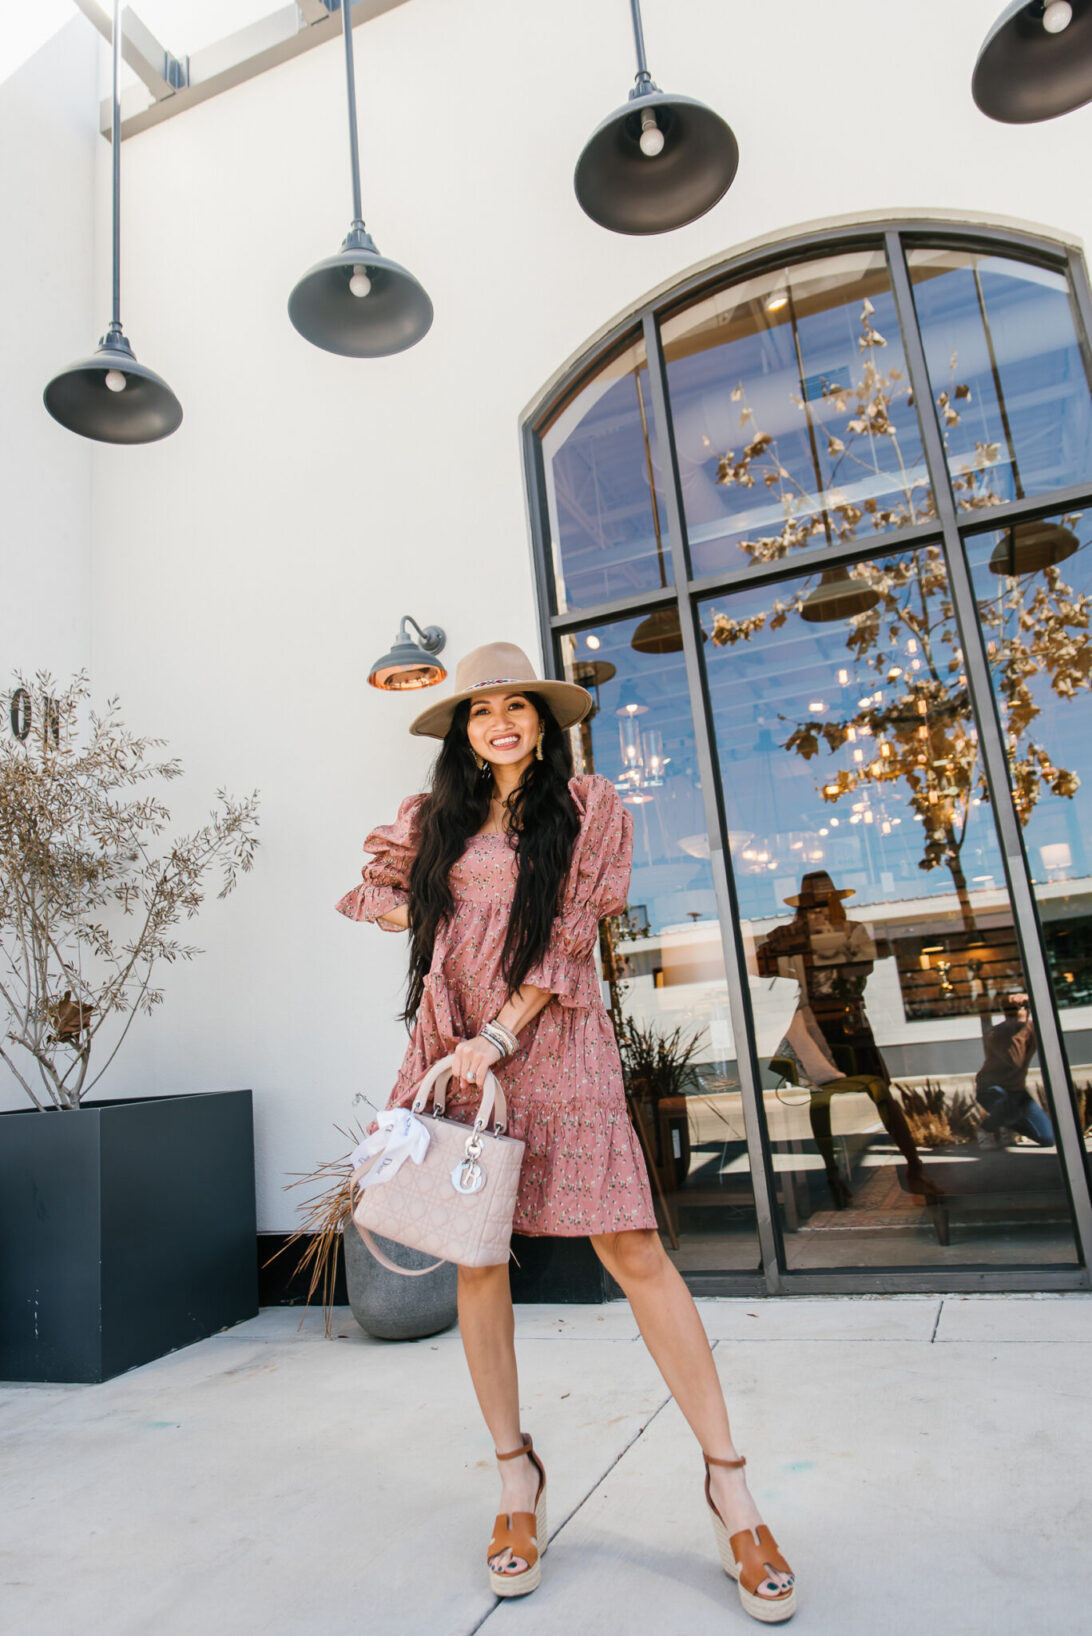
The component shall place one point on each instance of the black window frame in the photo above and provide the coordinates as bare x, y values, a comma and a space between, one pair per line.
643, 321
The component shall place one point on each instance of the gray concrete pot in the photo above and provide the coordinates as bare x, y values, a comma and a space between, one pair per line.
390, 1307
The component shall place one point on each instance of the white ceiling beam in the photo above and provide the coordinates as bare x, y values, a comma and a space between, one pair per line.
238, 57
152, 63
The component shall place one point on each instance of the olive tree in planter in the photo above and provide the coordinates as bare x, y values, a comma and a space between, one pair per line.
126, 1225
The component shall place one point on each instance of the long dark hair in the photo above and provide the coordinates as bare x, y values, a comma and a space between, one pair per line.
543, 825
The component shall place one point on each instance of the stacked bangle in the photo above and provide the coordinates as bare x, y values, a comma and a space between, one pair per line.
501, 1038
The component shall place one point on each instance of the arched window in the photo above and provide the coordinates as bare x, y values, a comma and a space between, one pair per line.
816, 531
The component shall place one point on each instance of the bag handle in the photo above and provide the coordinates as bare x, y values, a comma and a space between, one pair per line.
392, 1266
436, 1081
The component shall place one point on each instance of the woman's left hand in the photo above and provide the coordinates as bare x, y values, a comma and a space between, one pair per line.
472, 1058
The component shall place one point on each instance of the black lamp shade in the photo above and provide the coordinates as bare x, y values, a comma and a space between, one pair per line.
81, 401
1029, 547
1023, 74
394, 315
623, 189
837, 596
659, 632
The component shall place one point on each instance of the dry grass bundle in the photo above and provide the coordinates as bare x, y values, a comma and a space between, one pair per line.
935, 1118
325, 1214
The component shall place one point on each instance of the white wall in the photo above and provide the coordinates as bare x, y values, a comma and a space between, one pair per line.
248, 570
47, 143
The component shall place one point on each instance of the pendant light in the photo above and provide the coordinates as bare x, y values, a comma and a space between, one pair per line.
1036, 61
410, 663
837, 596
1028, 547
656, 163
110, 396
358, 303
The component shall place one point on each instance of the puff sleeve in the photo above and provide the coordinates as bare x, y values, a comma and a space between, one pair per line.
597, 885
385, 880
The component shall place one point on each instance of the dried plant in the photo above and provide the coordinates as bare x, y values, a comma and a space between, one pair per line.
88, 907
661, 1061
325, 1215
937, 1119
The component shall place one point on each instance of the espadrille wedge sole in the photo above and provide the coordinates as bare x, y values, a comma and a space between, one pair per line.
524, 1533
748, 1557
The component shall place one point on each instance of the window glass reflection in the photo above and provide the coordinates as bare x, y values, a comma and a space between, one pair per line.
608, 532
662, 959
1033, 583
892, 1029
1006, 372
792, 413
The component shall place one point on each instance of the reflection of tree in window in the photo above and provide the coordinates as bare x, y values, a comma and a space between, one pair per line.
911, 725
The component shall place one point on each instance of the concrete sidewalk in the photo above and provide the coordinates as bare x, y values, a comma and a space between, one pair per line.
924, 1461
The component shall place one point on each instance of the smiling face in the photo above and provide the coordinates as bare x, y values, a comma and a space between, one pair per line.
503, 728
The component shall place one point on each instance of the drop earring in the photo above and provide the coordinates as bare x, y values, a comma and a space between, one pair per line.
479, 761
538, 743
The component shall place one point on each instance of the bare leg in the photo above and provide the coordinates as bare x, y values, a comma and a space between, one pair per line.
673, 1332
487, 1327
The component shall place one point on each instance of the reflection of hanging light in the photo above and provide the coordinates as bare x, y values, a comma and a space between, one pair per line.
837, 597
659, 633
590, 674
629, 701
655, 760
1029, 547
629, 736
643, 760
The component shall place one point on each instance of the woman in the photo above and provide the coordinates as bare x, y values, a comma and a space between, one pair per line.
502, 874
832, 958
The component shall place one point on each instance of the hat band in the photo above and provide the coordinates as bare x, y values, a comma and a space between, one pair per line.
496, 681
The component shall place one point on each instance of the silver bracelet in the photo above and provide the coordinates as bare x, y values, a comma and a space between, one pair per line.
506, 1033
501, 1038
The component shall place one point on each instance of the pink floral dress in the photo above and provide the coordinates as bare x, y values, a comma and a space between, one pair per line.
583, 1171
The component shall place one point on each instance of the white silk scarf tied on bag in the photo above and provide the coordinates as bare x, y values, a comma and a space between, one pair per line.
457, 1197
401, 1136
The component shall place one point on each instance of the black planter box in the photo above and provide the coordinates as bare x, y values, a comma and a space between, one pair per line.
126, 1229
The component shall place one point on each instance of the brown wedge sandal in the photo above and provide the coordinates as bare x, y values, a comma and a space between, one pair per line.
749, 1557
524, 1533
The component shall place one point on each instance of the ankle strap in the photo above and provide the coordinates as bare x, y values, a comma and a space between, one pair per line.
710, 1460
514, 1454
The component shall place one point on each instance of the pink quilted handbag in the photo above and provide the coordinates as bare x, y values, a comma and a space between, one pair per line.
436, 1184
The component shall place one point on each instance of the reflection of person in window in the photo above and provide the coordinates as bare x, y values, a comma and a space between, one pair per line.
831, 958
1001, 1082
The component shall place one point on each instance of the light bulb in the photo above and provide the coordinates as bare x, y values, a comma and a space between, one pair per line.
779, 299
593, 642
115, 380
652, 138
360, 284
1057, 16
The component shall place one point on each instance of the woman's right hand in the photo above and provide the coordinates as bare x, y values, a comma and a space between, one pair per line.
472, 1059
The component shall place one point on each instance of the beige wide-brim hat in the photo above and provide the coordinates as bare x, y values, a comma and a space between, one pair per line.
502, 667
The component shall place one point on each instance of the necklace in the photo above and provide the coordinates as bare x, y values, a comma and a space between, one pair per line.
497, 823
